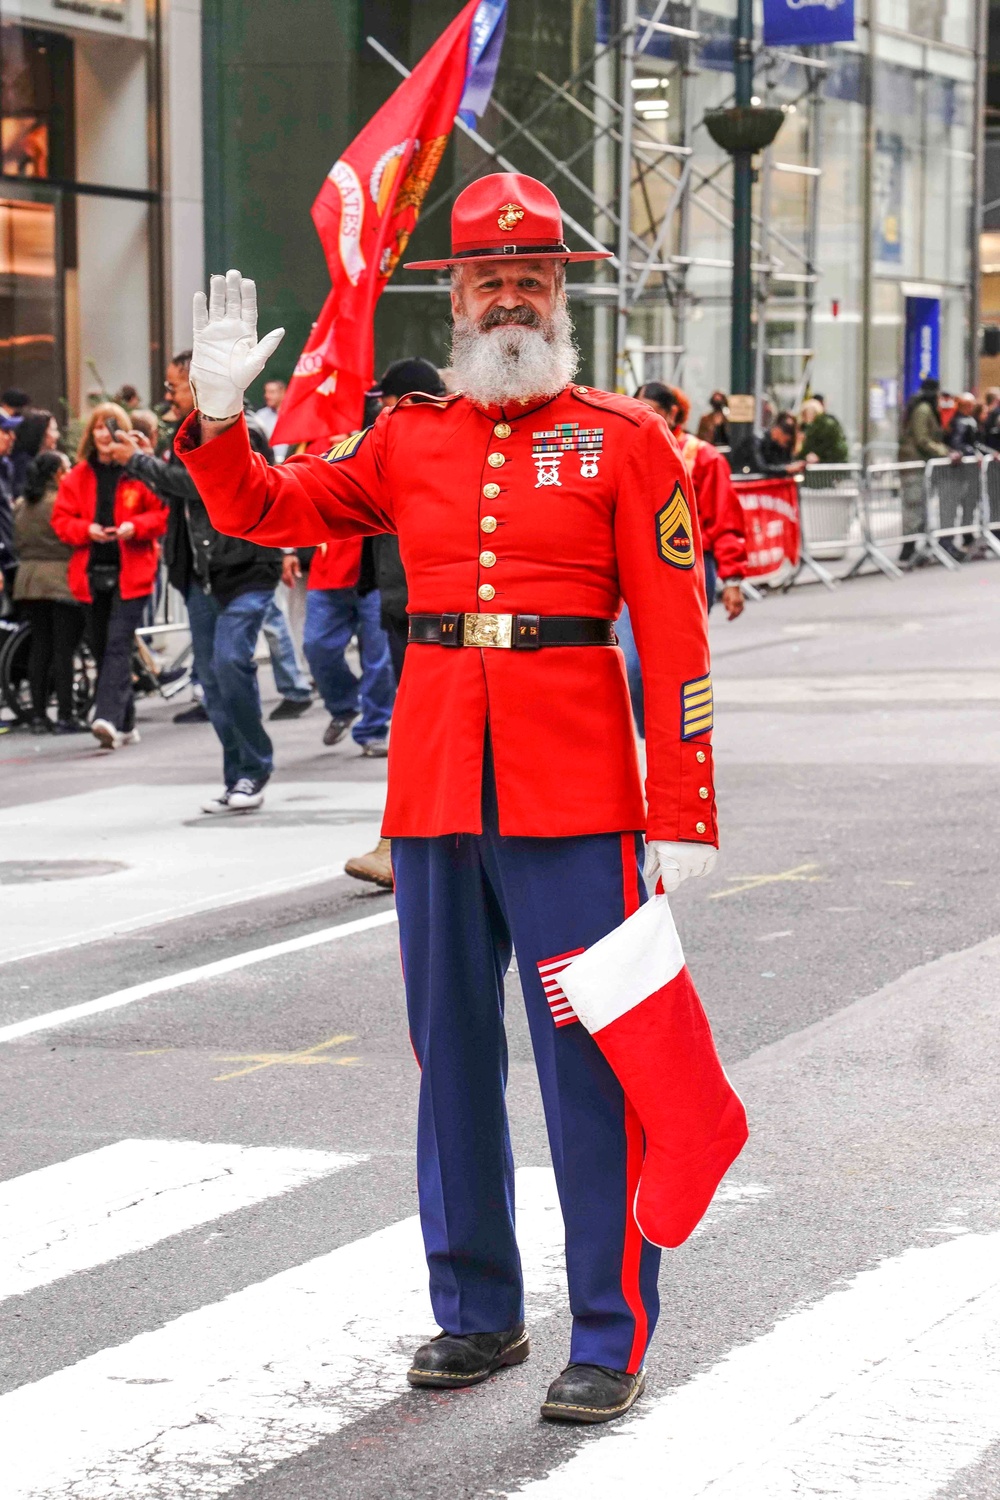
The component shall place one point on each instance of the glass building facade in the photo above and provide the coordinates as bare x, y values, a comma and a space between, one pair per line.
81, 265
144, 138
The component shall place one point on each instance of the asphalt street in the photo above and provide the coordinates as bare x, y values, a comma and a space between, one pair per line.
223, 1302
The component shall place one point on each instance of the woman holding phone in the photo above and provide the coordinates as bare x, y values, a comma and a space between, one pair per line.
112, 522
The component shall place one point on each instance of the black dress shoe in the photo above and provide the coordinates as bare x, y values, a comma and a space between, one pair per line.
456, 1359
291, 708
196, 714
592, 1393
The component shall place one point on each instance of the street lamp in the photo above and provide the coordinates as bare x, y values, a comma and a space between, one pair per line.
743, 130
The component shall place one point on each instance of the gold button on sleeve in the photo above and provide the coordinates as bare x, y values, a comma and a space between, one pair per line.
487, 559
491, 491
701, 757
501, 430
486, 591
703, 792
496, 460
699, 828
488, 523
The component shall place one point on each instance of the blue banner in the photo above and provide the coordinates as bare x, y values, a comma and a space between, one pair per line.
485, 45
807, 23
923, 343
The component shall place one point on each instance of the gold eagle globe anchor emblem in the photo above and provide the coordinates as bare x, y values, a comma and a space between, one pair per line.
510, 216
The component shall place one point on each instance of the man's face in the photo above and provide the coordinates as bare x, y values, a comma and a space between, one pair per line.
274, 393
177, 389
966, 406
494, 293
6, 441
781, 437
387, 402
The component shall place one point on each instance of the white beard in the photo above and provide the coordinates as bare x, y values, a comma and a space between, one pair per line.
512, 362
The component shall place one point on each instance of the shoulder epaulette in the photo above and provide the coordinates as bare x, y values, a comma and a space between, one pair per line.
422, 398
625, 406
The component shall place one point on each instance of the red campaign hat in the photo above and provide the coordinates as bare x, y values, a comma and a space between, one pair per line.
506, 215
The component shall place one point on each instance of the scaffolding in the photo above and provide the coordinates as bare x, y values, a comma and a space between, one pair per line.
635, 164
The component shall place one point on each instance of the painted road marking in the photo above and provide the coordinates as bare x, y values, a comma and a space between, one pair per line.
743, 883
185, 977
881, 1391
172, 869
222, 1394
111, 1202
305, 1057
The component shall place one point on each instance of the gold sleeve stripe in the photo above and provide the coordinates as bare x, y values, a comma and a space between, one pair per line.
347, 447
696, 707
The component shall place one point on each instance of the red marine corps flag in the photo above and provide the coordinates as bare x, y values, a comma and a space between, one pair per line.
367, 209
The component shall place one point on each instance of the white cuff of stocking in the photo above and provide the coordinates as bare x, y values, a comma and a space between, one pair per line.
626, 967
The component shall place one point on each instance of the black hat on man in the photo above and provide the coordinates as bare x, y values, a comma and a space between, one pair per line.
406, 375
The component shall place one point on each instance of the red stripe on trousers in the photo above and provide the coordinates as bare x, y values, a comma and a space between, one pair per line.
632, 1248
630, 874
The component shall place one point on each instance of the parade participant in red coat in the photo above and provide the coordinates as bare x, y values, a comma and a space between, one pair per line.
525, 507
719, 512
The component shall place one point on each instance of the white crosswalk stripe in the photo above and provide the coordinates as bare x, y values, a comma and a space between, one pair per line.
125, 1197
881, 1391
226, 1392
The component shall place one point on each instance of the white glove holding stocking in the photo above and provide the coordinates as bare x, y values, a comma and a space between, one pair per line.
673, 863
226, 356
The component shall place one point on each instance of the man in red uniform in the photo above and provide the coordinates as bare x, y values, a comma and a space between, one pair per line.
526, 507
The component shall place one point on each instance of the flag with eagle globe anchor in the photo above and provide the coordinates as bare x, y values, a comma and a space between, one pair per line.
367, 209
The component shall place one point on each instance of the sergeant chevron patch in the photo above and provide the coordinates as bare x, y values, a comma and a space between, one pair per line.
696, 707
563, 1013
674, 540
347, 447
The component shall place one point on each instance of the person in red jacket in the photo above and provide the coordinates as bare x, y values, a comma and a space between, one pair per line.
113, 523
525, 507
719, 512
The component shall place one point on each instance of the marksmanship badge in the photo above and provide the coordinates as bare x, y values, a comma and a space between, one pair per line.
548, 447
510, 216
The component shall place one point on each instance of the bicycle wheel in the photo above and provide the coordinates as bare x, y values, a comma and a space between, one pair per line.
14, 673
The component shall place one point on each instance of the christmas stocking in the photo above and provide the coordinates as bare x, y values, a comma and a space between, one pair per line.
633, 993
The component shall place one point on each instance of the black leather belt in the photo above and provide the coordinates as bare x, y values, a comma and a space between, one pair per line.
511, 632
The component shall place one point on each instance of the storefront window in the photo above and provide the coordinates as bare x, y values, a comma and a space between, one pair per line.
79, 205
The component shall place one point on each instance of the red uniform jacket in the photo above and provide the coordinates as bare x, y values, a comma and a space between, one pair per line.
336, 565
73, 513
720, 514
557, 508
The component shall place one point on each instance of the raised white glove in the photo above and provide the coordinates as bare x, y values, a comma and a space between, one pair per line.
226, 356
673, 863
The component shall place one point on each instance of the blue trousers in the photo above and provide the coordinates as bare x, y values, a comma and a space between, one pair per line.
224, 641
289, 678
463, 902
333, 616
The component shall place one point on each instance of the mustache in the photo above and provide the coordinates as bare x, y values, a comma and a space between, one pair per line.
501, 317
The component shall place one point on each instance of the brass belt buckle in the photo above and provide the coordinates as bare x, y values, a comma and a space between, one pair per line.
488, 630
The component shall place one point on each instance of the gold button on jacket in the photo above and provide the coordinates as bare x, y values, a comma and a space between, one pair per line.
486, 591
491, 491
501, 430
496, 460
487, 559
489, 523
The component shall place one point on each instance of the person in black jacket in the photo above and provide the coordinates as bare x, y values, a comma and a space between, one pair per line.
771, 453
228, 585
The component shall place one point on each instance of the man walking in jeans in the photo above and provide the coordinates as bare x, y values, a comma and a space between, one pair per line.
228, 585
341, 604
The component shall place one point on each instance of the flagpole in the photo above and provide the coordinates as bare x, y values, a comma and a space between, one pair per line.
484, 145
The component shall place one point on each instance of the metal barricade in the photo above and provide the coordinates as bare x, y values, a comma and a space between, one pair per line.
954, 505
893, 513
991, 503
829, 516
